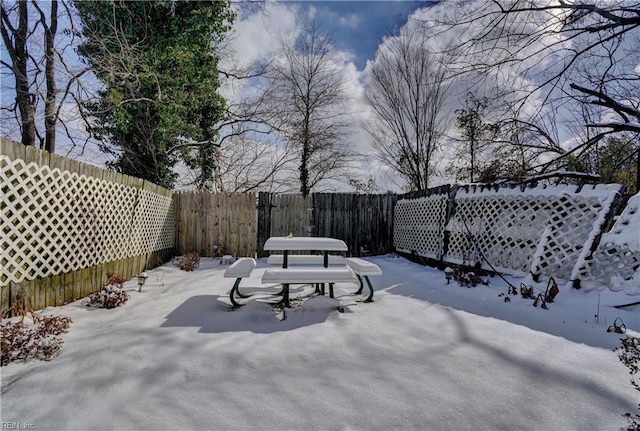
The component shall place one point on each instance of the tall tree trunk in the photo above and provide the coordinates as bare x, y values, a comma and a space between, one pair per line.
304, 169
638, 171
17, 49
50, 102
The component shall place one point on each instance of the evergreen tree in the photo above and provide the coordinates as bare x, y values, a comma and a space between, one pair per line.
158, 64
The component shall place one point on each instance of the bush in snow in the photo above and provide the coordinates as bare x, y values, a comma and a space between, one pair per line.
468, 278
189, 261
629, 355
110, 296
39, 339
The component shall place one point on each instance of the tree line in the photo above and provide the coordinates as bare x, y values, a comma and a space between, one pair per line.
499, 91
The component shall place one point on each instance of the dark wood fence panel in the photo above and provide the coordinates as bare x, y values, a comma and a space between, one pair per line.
292, 214
265, 206
364, 222
228, 220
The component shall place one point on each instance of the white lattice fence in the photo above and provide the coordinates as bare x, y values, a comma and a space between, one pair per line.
55, 221
504, 228
542, 230
616, 261
546, 230
418, 225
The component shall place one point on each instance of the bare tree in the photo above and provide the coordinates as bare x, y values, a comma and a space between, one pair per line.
477, 137
15, 40
40, 68
250, 165
550, 56
407, 93
306, 94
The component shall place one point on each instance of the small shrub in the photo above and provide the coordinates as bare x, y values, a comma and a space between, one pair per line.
21, 305
189, 261
468, 278
114, 279
629, 355
110, 296
22, 341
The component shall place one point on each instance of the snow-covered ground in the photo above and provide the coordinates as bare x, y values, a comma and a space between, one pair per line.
425, 355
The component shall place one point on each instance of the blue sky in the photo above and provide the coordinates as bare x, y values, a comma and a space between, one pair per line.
359, 26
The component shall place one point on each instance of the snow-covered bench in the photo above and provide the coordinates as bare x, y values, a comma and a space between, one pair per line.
308, 275
363, 269
240, 269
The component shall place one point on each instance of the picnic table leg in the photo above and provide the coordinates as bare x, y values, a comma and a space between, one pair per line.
234, 289
285, 295
370, 297
330, 290
359, 291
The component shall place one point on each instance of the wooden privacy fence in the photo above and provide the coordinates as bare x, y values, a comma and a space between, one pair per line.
364, 222
227, 220
66, 224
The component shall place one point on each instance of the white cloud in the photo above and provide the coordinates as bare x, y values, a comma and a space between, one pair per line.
254, 39
351, 21
258, 36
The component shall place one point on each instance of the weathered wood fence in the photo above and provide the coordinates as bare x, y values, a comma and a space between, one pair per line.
364, 222
66, 224
226, 220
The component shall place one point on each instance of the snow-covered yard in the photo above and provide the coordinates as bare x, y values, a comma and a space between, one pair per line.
425, 355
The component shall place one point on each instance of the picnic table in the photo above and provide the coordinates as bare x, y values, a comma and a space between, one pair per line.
319, 275
304, 243
313, 269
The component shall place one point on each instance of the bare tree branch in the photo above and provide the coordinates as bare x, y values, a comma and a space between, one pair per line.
407, 94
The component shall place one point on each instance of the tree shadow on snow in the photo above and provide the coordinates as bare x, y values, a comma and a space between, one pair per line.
212, 314
519, 313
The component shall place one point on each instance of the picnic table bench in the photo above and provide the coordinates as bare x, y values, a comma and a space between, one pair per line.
241, 268
304, 259
307, 275
363, 269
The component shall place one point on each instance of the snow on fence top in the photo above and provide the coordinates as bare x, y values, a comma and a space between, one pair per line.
616, 261
543, 230
56, 221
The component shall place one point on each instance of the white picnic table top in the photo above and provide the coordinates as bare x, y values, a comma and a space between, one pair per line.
305, 243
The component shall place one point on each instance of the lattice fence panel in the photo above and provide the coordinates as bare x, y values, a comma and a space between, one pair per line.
153, 224
419, 225
507, 226
616, 261
55, 221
